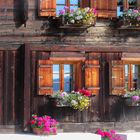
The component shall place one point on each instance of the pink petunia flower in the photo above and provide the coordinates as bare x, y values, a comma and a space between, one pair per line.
32, 122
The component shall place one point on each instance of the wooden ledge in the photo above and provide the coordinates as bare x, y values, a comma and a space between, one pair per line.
75, 26
129, 28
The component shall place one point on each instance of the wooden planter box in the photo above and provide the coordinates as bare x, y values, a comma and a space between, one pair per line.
60, 23
55, 103
128, 102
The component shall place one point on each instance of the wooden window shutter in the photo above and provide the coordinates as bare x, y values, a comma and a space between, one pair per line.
84, 3
92, 68
105, 8
78, 75
117, 78
47, 7
45, 77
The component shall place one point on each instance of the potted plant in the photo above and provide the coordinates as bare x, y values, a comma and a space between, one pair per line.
78, 17
78, 100
108, 135
132, 98
131, 17
43, 125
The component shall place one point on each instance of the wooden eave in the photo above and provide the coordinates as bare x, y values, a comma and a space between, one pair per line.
85, 48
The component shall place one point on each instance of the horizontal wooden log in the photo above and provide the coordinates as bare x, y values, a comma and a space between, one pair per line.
86, 48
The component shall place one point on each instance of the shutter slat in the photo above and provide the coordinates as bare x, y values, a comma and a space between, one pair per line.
118, 83
92, 76
45, 80
84, 3
47, 7
105, 8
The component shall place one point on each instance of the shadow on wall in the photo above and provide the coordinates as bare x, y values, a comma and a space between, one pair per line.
20, 12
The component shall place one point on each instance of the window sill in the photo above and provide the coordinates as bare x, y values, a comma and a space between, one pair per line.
75, 26
129, 28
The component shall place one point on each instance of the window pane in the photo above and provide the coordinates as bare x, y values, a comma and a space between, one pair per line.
132, 4
73, 7
60, 1
132, 1
138, 77
135, 73
67, 83
55, 68
56, 87
134, 70
67, 88
120, 8
126, 72
56, 78
68, 77
126, 76
67, 68
73, 1
58, 8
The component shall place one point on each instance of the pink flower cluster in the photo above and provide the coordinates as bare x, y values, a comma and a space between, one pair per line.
85, 92
135, 98
46, 123
108, 135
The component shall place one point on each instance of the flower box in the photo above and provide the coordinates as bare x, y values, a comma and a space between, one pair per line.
130, 102
77, 18
78, 100
131, 18
57, 102
132, 98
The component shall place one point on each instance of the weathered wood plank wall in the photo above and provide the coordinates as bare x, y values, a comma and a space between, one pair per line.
11, 84
18, 86
101, 106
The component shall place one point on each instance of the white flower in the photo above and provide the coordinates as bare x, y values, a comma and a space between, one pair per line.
73, 102
78, 12
78, 17
87, 9
72, 21
71, 15
80, 98
78, 92
64, 94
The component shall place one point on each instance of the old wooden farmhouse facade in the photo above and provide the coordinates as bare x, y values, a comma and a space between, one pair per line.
104, 58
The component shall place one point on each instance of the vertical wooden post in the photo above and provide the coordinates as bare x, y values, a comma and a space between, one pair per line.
138, 3
1, 87
5, 88
93, 3
102, 86
27, 87
125, 4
